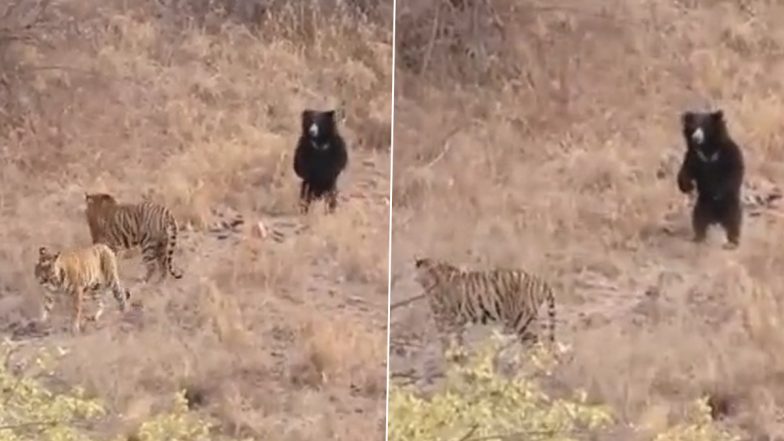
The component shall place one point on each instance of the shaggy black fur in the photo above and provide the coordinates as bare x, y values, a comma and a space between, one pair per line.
320, 157
715, 163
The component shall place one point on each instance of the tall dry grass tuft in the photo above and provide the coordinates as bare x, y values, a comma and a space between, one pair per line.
197, 105
545, 135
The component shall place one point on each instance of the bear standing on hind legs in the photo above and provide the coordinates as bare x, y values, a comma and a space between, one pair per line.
319, 159
715, 163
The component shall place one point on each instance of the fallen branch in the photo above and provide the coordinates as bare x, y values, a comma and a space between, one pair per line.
406, 301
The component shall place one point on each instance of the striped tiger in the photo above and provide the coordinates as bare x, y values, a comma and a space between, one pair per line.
149, 225
76, 272
506, 296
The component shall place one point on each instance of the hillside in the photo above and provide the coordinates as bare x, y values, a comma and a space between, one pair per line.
545, 136
280, 335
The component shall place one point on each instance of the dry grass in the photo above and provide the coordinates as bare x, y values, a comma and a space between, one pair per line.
545, 136
199, 108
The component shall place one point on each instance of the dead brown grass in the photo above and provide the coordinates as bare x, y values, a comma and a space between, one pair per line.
545, 136
198, 107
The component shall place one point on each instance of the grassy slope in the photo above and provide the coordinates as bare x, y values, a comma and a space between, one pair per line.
562, 161
285, 337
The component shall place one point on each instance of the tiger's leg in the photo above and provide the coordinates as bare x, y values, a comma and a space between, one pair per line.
457, 345
163, 262
443, 329
101, 304
150, 253
76, 299
121, 296
452, 337
529, 336
525, 326
46, 309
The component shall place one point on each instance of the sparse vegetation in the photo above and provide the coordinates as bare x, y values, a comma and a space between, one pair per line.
196, 105
545, 135
31, 411
477, 402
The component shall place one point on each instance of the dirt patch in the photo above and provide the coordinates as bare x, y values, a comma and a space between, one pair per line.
201, 112
546, 137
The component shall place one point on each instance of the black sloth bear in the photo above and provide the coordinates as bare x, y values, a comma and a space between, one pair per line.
715, 163
320, 158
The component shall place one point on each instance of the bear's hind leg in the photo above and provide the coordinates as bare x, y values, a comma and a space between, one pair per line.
732, 220
700, 220
305, 196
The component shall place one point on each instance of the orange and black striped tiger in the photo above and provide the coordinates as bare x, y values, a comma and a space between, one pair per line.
148, 225
79, 272
506, 296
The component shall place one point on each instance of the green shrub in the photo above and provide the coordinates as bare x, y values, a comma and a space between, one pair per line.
476, 402
178, 424
29, 411
699, 426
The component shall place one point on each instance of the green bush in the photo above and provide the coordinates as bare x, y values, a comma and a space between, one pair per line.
699, 426
476, 402
29, 411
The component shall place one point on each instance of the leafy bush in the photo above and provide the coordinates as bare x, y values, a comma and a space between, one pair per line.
698, 427
477, 402
29, 411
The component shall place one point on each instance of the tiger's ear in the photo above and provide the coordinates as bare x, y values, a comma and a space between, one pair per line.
42, 251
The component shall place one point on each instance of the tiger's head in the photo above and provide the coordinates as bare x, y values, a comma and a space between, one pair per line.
47, 273
99, 201
429, 272
99, 205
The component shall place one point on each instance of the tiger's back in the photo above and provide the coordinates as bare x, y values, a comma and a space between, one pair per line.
80, 271
510, 297
149, 225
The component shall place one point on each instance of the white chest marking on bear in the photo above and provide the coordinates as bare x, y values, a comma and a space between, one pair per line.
317, 146
711, 158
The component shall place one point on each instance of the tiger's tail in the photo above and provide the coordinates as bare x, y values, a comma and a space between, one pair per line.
550, 299
171, 232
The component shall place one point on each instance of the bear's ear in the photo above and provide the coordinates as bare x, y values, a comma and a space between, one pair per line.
718, 115
330, 114
687, 118
306, 116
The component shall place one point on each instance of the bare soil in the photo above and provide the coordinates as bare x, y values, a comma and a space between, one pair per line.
546, 136
280, 330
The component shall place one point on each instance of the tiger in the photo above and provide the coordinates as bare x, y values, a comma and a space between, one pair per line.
511, 297
76, 272
147, 224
